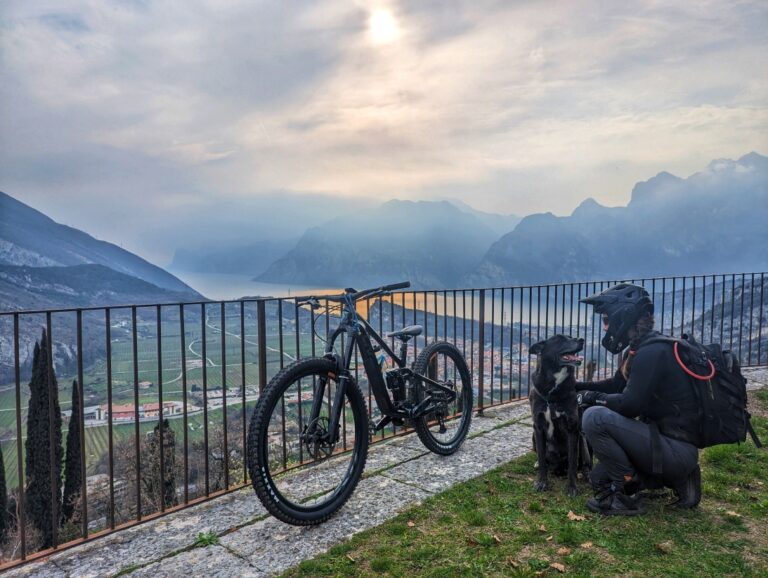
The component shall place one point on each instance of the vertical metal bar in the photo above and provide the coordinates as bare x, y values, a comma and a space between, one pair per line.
501, 351
454, 318
19, 443
751, 314
672, 306
244, 407
110, 433
733, 309
722, 311
445, 315
281, 364
161, 441
538, 313
415, 339
481, 352
520, 350
434, 301
592, 332
464, 324
81, 422
682, 312
546, 314
136, 428
261, 320
741, 316
223, 313
51, 450
183, 339
472, 332
204, 348
530, 336
693, 305
760, 320
703, 303
712, 311
493, 338
663, 300
297, 331
392, 328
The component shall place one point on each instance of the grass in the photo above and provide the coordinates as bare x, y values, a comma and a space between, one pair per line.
495, 525
209, 538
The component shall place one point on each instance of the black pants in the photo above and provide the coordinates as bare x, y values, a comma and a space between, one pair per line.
623, 446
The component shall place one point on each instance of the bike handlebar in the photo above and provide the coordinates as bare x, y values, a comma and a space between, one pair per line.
354, 295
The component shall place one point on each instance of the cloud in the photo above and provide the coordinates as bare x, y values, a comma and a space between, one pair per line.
517, 107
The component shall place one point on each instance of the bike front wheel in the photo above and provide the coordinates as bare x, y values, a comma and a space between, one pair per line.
301, 471
444, 430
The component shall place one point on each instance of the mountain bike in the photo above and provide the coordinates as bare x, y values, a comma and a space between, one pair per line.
309, 433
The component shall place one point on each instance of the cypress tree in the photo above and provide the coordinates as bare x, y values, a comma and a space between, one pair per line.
42, 441
73, 478
162, 485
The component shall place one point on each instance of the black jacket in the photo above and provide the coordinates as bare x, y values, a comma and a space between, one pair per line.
657, 390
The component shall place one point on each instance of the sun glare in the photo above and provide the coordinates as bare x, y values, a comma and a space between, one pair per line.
382, 27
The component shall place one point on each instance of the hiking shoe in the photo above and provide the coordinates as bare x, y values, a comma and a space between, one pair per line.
615, 503
688, 491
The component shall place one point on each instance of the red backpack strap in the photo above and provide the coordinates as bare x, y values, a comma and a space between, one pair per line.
691, 373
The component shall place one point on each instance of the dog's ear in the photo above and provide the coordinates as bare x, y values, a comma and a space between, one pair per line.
536, 348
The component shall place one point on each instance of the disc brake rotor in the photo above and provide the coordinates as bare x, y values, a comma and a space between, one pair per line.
316, 439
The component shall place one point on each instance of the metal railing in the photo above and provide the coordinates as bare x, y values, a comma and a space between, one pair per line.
153, 382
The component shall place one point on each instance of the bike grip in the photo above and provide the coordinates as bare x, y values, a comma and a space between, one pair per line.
403, 285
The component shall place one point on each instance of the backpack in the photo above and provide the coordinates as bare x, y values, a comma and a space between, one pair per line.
719, 388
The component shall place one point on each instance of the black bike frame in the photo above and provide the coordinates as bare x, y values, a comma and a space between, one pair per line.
360, 333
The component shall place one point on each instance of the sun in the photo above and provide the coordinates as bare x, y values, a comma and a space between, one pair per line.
382, 27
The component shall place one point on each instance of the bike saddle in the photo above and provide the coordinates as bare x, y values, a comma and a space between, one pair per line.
406, 332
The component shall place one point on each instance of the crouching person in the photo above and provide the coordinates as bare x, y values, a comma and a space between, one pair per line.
642, 423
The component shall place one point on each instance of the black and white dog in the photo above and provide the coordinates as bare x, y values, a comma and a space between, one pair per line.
555, 412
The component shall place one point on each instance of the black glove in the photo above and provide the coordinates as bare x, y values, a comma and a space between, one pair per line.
590, 398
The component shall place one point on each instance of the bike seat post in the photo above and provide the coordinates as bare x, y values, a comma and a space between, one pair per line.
404, 349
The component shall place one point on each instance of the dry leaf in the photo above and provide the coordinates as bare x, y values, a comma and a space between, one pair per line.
512, 562
542, 528
733, 514
539, 573
563, 551
351, 559
557, 566
410, 523
575, 517
665, 546
586, 545
498, 540
550, 538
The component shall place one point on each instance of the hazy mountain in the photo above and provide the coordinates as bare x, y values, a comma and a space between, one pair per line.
713, 221
499, 224
77, 286
432, 244
30, 238
252, 259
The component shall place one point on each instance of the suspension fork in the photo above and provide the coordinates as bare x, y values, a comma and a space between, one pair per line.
337, 405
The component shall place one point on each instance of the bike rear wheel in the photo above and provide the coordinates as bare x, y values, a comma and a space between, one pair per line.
444, 430
298, 472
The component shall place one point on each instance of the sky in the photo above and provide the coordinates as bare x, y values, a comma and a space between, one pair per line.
158, 124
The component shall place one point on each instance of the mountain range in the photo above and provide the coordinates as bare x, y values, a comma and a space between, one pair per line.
713, 221
46, 264
432, 244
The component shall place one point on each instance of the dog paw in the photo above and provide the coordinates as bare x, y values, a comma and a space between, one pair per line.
541, 486
572, 491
